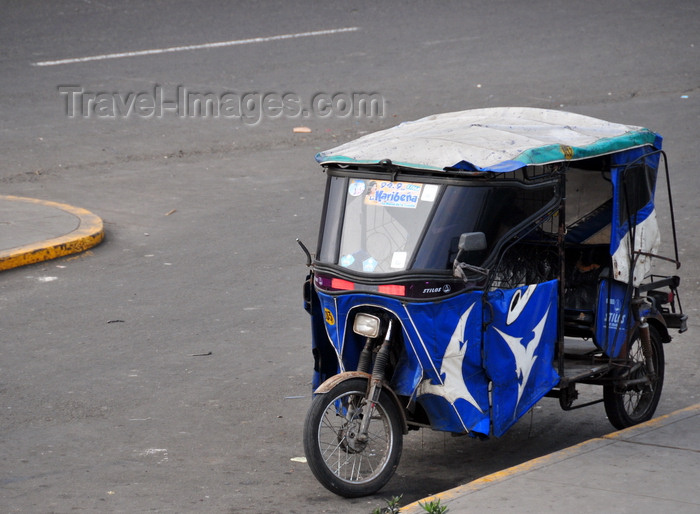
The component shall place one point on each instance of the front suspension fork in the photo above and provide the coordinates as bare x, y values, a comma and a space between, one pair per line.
375, 382
645, 339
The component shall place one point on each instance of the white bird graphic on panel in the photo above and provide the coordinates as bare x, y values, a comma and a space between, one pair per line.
524, 355
452, 386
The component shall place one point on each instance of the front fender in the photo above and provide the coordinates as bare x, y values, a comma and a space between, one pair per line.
330, 383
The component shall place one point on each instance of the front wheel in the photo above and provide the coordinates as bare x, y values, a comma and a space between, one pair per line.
628, 403
343, 461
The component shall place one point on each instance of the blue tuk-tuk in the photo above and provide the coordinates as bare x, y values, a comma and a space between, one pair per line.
471, 263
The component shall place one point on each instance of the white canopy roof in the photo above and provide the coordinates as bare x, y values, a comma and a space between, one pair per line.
493, 139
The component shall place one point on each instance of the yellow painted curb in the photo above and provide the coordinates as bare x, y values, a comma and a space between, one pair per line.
504, 474
692, 410
90, 232
552, 458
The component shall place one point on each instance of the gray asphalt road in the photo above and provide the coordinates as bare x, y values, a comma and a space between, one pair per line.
107, 403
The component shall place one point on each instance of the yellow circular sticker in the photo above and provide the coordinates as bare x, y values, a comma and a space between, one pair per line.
329, 316
567, 151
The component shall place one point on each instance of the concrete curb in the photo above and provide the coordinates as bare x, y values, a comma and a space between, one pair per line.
547, 460
90, 232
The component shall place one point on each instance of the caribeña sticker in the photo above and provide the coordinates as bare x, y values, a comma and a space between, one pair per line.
330, 319
393, 194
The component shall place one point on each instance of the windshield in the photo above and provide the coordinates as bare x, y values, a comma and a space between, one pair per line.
382, 223
379, 226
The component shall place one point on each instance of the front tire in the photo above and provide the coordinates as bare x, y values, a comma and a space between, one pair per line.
343, 463
628, 406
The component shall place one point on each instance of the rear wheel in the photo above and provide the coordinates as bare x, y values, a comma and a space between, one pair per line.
629, 404
344, 463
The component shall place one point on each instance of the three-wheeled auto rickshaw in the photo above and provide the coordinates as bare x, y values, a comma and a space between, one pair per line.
470, 264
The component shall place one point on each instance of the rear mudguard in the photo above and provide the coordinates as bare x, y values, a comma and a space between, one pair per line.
333, 381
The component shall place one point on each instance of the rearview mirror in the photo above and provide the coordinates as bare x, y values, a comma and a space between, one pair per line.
469, 242
472, 241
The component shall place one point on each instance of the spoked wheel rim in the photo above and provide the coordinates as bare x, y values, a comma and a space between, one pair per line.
350, 459
341, 459
627, 403
637, 399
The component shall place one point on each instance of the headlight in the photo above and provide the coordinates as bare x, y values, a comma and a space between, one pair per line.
366, 325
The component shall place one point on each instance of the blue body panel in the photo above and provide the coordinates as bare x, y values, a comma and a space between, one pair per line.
612, 319
450, 362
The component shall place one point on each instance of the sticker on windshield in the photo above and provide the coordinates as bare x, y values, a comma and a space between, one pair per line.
393, 194
347, 260
430, 192
398, 260
356, 187
369, 265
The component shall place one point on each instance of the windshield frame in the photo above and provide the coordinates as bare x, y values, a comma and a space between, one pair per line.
334, 215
